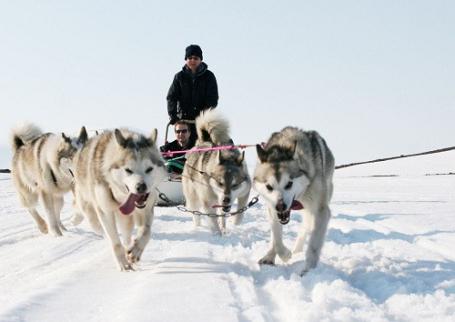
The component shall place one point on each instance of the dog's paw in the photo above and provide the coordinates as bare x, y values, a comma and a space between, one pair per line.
285, 254
223, 231
124, 263
43, 228
126, 267
134, 253
56, 232
266, 260
133, 258
303, 272
216, 231
309, 265
312, 259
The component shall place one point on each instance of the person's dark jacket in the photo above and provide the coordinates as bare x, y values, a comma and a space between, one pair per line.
190, 94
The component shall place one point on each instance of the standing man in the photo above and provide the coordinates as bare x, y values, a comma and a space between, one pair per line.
193, 89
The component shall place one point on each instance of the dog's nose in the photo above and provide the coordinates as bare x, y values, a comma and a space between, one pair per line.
280, 206
141, 187
226, 200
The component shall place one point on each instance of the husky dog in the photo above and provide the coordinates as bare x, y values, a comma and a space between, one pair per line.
41, 168
116, 174
213, 180
295, 171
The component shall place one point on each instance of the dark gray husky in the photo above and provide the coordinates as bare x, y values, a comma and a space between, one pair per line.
295, 171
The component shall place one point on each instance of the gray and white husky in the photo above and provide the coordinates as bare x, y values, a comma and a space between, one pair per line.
294, 171
116, 174
41, 169
213, 180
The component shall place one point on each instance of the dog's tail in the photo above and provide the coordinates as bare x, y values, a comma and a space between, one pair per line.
23, 134
212, 127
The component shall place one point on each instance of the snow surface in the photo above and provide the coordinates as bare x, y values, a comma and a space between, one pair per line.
388, 256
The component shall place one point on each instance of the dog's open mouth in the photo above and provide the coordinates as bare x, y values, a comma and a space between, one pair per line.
285, 216
134, 201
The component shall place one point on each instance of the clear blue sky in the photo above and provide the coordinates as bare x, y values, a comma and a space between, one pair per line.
375, 78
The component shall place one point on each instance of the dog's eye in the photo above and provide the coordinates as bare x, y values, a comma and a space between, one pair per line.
149, 169
129, 171
288, 185
269, 187
220, 183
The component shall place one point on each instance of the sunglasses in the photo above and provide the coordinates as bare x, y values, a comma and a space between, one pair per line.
181, 131
193, 58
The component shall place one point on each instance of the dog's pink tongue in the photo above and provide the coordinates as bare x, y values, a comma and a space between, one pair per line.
129, 205
296, 205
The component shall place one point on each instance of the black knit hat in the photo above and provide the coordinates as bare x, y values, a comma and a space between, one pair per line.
193, 50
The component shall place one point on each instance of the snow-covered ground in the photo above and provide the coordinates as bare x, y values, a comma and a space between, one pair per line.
389, 256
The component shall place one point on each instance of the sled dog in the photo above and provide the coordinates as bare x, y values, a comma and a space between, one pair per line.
41, 169
294, 171
116, 174
213, 180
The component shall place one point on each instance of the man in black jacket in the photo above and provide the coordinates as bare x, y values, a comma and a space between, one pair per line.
193, 89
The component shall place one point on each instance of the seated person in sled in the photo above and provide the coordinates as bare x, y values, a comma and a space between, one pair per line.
183, 141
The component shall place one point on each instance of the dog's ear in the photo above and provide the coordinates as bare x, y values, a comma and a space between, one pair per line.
205, 136
153, 136
83, 137
291, 154
240, 158
67, 139
120, 138
262, 154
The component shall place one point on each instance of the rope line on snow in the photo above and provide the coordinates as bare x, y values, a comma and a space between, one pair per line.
396, 157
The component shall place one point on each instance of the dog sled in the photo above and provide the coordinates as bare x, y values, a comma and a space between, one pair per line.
170, 191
